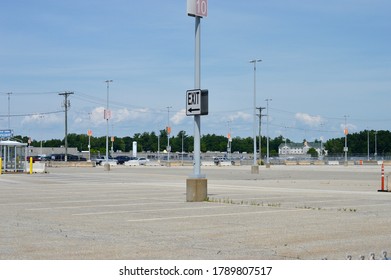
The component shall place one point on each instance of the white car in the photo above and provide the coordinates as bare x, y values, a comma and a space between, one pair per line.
137, 161
142, 160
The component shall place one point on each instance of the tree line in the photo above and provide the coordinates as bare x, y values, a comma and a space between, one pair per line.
150, 141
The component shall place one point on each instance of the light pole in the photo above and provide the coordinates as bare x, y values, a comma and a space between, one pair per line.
158, 147
229, 143
107, 117
267, 132
376, 145
182, 146
9, 110
368, 143
255, 167
346, 142
168, 135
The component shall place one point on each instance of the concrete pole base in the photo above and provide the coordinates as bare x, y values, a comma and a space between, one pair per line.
267, 165
106, 167
254, 169
196, 189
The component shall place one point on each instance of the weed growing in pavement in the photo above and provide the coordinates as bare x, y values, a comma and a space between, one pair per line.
242, 202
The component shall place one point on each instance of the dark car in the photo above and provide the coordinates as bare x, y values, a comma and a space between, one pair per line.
61, 157
122, 159
34, 158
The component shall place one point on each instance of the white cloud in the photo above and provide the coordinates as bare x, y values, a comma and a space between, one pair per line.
178, 117
42, 119
240, 116
97, 116
308, 119
118, 115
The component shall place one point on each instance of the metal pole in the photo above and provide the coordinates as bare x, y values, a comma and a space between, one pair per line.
267, 130
368, 144
260, 130
107, 121
197, 85
168, 133
254, 61
66, 128
375, 145
9, 110
158, 147
255, 117
182, 147
346, 142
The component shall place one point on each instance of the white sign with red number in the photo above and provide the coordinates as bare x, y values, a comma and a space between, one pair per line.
107, 114
197, 8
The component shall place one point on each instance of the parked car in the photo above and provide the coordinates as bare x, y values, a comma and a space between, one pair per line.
217, 160
102, 159
61, 157
123, 159
137, 161
34, 158
142, 160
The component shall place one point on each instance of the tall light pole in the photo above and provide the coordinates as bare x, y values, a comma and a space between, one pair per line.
255, 167
368, 143
267, 132
168, 134
107, 117
259, 131
346, 141
375, 144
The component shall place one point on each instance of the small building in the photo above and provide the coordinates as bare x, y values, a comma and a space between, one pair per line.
13, 155
300, 150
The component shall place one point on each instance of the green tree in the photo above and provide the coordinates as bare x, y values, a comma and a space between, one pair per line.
312, 152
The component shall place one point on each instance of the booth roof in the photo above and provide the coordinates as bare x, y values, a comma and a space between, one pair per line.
11, 143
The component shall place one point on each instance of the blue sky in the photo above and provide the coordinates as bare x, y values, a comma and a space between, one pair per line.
321, 61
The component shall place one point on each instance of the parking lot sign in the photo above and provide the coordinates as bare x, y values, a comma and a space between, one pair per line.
196, 102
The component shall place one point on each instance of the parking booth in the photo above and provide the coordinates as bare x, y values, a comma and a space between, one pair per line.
13, 155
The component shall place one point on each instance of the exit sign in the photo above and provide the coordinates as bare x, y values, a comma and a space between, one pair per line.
196, 102
197, 8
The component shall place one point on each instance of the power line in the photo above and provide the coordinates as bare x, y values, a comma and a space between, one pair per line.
32, 114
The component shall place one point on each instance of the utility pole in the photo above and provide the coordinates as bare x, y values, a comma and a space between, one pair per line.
67, 104
259, 130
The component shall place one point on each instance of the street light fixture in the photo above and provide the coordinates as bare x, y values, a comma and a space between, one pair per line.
255, 167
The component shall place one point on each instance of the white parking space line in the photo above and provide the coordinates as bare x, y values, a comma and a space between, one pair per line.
100, 206
216, 215
146, 210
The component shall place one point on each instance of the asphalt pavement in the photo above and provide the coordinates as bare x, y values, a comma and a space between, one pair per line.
140, 212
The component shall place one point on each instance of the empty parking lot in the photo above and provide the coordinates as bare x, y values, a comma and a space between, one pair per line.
285, 212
